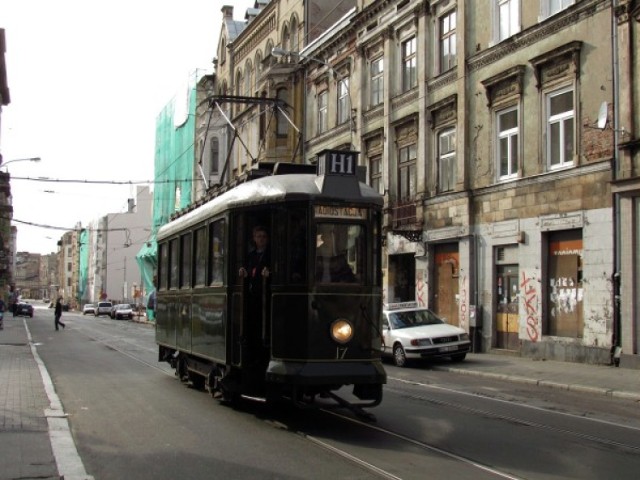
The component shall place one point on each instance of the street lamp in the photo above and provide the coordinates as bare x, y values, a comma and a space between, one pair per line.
281, 52
32, 159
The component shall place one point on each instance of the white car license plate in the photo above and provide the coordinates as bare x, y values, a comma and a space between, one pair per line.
449, 348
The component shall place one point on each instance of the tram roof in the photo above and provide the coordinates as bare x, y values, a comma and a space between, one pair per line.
272, 189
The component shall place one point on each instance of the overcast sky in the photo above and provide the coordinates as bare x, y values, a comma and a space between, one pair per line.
87, 80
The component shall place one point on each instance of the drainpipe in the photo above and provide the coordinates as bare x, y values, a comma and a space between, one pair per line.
616, 348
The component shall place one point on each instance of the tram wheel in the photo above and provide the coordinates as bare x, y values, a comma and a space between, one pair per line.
399, 356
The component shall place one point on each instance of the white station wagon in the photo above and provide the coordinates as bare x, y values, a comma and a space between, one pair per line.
412, 332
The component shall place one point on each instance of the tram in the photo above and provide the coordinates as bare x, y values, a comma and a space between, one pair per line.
302, 327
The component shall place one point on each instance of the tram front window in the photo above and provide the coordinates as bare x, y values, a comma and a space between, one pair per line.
340, 253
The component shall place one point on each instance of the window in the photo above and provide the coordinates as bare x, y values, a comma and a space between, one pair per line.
214, 152
407, 172
185, 261
247, 80
508, 143
217, 254
343, 100
508, 18
322, 112
551, 7
263, 118
340, 253
297, 249
447, 41
174, 262
200, 256
163, 266
282, 124
294, 44
409, 64
375, 174
560, 128
447, 160
377, 81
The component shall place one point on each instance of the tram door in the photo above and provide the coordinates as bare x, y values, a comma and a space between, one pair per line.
251, 297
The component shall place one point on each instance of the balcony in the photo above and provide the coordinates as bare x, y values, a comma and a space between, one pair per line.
405, 220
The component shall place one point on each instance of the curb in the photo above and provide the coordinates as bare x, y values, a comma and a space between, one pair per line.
545, 383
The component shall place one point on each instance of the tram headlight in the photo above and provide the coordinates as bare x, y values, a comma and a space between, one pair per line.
341, 331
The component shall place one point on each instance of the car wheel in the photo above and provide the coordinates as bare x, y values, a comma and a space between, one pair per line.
399, 357
458, 358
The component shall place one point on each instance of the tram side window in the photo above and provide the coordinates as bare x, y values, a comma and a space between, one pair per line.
200, 257
340, 253
216, 252
185, 261
163, 266
174, 263
297, 246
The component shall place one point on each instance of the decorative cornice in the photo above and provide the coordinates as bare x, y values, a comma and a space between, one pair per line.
255, 36
404, 99
545, 29
440, 81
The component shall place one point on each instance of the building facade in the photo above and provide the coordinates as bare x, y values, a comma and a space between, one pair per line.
481, 123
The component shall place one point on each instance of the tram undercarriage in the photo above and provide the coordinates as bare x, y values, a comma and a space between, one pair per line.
303, 389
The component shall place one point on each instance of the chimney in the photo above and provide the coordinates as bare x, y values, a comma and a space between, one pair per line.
227, 12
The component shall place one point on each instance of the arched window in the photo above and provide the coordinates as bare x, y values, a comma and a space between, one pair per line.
214, 155
248, 71
258, 66
294, 44
285, 37
282, 123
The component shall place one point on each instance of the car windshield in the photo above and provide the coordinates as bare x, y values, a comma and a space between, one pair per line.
414, 318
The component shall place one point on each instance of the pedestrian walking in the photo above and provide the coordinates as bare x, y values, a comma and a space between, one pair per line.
58, 313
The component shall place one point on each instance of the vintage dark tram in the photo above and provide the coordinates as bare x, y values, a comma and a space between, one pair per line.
314, 325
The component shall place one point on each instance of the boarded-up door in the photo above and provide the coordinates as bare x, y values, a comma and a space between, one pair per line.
565, 284
446, 282
507, 307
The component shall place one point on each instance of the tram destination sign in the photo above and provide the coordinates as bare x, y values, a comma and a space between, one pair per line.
331, 211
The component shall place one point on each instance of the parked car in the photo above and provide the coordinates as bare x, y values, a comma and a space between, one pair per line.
89, 308
103, 308
122, 311
412, 332
23, 309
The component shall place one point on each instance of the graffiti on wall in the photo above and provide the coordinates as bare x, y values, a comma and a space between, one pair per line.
530, 298
421, 289
464, 308
565, 296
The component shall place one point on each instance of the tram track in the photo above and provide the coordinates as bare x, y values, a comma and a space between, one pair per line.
520, 421
403, 442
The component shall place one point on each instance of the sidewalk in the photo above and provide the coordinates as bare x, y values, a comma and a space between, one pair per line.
30, 420
577, 377
35, 440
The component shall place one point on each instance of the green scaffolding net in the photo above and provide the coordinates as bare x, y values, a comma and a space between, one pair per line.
173, 166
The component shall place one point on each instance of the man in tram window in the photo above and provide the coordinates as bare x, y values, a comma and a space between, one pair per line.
256, 273
257, 264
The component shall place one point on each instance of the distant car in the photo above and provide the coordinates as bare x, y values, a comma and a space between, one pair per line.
23, 309
122, 311
103, 308
412, 332
89, 308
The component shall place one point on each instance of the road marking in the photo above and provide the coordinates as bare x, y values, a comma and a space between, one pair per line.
68, 461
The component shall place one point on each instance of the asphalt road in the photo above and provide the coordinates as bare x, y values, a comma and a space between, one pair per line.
131, 418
